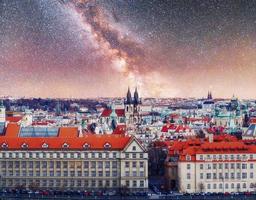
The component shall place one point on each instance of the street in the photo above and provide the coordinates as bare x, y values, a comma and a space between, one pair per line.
26, 196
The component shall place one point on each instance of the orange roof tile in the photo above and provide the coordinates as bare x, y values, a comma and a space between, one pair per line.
68, 135
68, 132
106, 112
14, 119
94, 142
12, 130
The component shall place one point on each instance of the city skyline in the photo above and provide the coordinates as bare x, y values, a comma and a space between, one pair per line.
90, 48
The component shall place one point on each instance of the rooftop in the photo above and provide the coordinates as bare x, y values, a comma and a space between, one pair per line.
66, 138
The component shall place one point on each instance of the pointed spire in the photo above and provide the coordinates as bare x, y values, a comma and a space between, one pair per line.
136, 96
128, 97
209, 95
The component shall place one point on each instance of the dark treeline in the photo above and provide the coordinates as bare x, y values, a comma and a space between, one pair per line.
50, 105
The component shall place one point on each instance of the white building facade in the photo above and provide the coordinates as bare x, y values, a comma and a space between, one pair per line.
218, 172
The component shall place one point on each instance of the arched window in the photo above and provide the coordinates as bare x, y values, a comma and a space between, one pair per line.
4, 145
107, 145
86, 146
188, 157
65, 145
45, 146
24, 146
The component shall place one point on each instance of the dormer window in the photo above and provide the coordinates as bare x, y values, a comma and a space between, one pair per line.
24, 146
45, 146
107, 146
86, 146
4, 145
188, 157
65, 145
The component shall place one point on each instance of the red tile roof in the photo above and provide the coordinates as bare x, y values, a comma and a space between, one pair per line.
120, 129
39, 123
43, 123
68, 132
68, 135
12, 130
174, 128
202, 119
222, 144
106, 112
168, 127
216, 129
252, 120
14, 119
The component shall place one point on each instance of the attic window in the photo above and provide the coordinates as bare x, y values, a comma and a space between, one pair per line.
24, 146
45, 146
188, 157
134, 148
65, 145
107, 146
86, 146
4, 146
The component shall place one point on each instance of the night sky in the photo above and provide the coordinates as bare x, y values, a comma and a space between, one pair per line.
90, 48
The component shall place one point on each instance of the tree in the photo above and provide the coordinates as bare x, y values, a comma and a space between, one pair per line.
172, 121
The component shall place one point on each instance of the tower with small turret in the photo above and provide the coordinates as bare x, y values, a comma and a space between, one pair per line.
132, 107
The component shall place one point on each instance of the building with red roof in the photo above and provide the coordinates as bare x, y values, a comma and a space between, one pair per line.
52, 157
216, 164
111, 116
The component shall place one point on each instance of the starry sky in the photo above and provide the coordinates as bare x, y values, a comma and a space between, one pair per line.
97, 48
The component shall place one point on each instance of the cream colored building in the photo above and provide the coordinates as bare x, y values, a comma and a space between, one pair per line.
219, 175
71, 162
225, 166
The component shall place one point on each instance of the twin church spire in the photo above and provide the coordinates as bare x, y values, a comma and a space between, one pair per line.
135, 100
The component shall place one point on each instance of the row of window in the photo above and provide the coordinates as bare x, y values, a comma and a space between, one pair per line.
232, 175
58, 164
58, 155
134, 174
227, 166
59, 183
224, 166
226, 157
134, 155
69, 183
67, 155
134, 164
60, 174
226, 185
134, 184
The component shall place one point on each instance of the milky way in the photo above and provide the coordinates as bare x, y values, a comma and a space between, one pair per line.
91, 48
